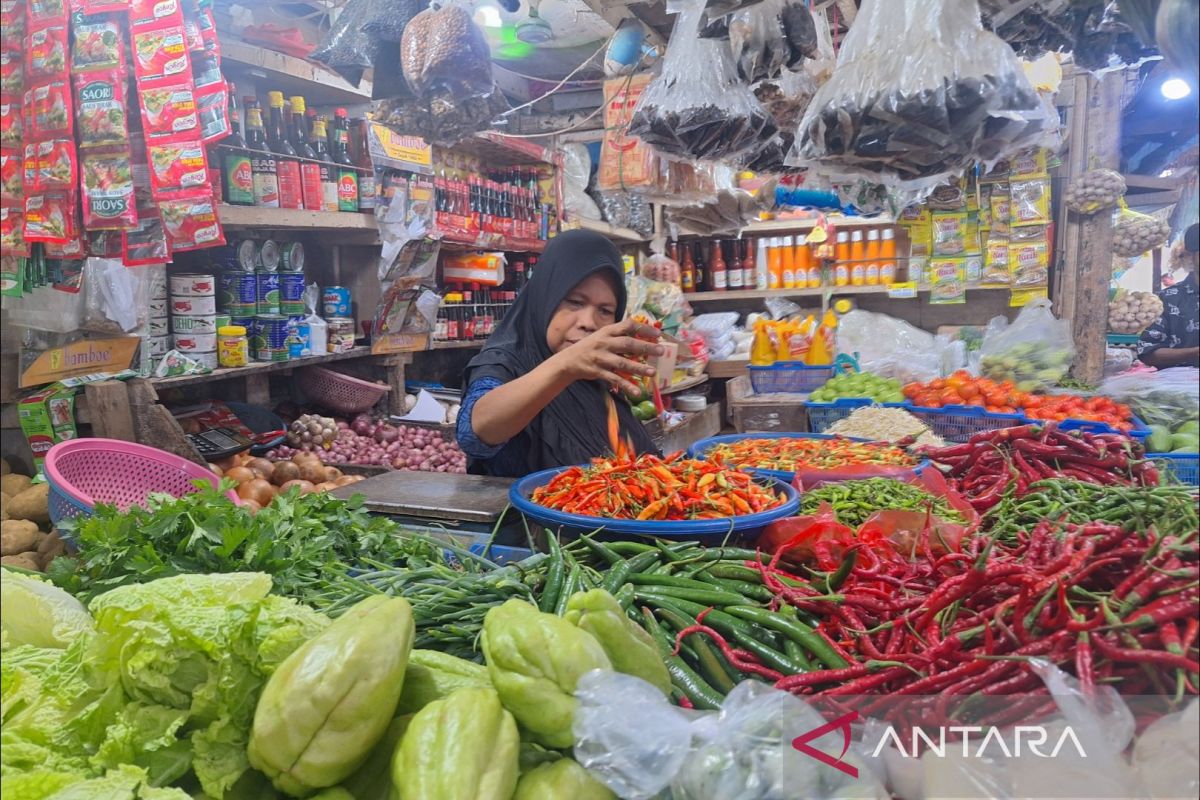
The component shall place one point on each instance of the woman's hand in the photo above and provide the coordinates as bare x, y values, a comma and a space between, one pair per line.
609, 353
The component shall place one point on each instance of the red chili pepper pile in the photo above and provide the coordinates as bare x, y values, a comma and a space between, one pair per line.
1108, 605
653, 488
790, 454
1007, 461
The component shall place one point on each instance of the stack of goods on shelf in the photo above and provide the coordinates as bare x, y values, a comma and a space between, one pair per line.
194, 317
472, 199
471, 310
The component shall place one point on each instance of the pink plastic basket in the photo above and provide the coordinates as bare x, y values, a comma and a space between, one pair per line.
339, 392
84, 472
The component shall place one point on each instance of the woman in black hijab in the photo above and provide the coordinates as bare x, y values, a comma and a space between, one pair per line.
535, 397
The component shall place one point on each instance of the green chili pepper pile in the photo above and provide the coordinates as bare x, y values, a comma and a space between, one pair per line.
1170, 509
854, 501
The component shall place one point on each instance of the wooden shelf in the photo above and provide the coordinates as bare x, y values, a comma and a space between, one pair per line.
685, 384
456, 345
757, 294
619, 235
784, 226
291, 219
728, 369
319, 86
259, 368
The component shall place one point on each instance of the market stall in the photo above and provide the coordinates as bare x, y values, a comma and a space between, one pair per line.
834, 466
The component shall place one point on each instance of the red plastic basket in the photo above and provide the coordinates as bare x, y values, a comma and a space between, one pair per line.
339, 392
84, 472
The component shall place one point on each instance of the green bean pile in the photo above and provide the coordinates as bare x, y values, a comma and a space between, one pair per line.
854, 501
1171, 510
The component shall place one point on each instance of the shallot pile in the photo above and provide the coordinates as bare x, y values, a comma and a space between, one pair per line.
364, 440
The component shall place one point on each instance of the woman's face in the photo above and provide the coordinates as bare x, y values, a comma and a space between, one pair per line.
587, 308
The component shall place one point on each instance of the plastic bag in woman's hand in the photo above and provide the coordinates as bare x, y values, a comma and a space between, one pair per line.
697, 108
920, 91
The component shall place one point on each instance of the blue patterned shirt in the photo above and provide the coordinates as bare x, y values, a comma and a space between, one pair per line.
507, 459
1179, 325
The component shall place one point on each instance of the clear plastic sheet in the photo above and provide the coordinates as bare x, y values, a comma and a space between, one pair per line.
1035, 350
893, 348
577, 168
115, 299
698, 108
920, 91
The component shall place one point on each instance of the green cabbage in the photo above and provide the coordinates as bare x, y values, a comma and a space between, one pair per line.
38, 613
167, 683
123, 783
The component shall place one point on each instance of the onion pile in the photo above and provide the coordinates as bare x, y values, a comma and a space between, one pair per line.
258, 480
312, 432
368, 441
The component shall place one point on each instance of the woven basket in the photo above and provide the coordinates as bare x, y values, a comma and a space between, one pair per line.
339, 392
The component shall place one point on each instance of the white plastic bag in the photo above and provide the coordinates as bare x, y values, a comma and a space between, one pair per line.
1167, 755
892, 347
577, 168
1157, 397
698, 108
1034, 352
920, 91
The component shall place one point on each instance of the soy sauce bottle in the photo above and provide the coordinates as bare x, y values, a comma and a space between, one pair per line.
347, 175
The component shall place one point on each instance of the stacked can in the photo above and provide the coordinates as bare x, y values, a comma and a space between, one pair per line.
159, 325
339, 321
194, 317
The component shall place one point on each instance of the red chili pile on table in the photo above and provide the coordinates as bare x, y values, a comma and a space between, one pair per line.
1007, 461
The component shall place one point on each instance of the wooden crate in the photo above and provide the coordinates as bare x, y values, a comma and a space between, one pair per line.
764, 413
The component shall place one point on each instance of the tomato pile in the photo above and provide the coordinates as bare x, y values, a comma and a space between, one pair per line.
789, 454
961, 388
1071, 406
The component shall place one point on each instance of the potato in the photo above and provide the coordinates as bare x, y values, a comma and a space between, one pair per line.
24, 561
12, 485
17, 536
32, 504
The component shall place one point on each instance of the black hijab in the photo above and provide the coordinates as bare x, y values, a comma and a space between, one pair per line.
572, 429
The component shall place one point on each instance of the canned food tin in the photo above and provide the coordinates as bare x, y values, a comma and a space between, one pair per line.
246, 322
247, 255
267, 293
340, 332
291, 293
195, 342
299, 339
222, 320
270, 337
159, 326
193, 286
336, 301
158, 306
206, 359
268, 256
186, 325
238, 290
228, 256
194, 306
159, 345
291, 257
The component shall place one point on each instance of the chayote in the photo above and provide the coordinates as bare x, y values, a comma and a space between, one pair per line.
373, 779
333, 793
534, 661
560, 780
432, 675
463, 747
332, 699
627, 645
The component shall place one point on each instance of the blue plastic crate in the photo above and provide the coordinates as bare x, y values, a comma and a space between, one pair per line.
793, 377
822, 415
1139, 430
960, 423
1183, 467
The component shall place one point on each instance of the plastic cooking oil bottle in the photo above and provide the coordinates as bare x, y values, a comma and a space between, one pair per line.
841, 267
872, 266
887, 257
858, 257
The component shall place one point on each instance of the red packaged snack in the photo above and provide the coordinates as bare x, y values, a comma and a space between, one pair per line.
12, 73
12, 172
31, 177
41, 11
12, 20
213, 104
100, 6
98, 42
50, 217
159, 52
100, 114
46, 54
150, 12
12, 232
70, 250
11, 125
52, 107
104, 244
169, 111
176, 167
191, 221
57, 165
192, 37
108, 201
147, 243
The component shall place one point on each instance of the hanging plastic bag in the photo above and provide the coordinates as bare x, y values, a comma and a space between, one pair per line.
697, 108
1158, 397
353, 44
1035, 351
769, 36
443, 47
891, 347
909, 116
577, 168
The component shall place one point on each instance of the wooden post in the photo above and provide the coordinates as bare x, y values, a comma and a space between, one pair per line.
109, 411
154, 424
1095, 142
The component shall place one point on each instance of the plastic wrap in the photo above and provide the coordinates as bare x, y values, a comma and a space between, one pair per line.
347, 48
1167, 755
1090, 31
443, 47
697, 108
893, 348
115, 299
577, 169
769, 36
1157, 397
1034, 352
441, 117
658, 267
909, 116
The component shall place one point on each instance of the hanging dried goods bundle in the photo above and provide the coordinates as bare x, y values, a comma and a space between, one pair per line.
1133, 312
767, 37
909, 116
444, 47
1134, 234
1094, 190
697, 108
1092, 31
